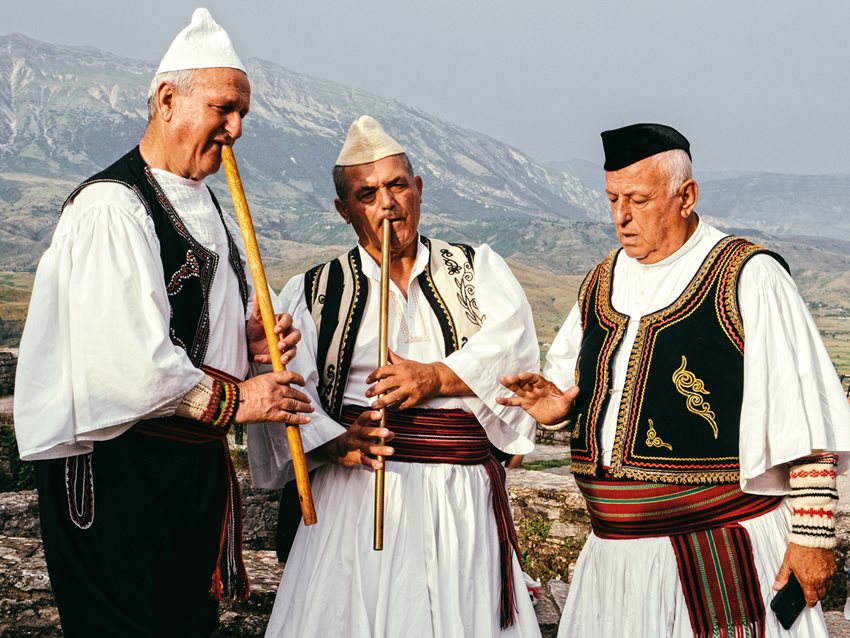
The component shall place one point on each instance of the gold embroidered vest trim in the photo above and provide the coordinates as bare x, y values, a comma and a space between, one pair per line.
679, 416
336, 293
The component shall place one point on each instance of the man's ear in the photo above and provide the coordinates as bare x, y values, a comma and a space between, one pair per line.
340, 208
689, 192
418, 181
165, 97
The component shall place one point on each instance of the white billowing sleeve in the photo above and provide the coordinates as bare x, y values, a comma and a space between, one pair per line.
268, 449
793, 401
560, 367
505, 344
95, 355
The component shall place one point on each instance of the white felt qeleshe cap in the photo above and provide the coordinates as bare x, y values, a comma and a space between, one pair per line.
367, 142
201, 45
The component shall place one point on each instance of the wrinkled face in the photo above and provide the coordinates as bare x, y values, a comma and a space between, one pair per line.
201, 121
385, 189
651, 223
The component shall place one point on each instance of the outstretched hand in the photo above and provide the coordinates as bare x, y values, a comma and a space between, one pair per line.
538, 396
359, 445
258, 346
813, 567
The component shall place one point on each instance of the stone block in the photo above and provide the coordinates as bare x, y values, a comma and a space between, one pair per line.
19, 514
548, 615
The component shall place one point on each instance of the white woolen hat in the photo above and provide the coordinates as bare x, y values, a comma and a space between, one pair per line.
201, 45
367, 142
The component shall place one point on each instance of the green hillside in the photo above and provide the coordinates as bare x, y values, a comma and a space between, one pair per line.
14, 298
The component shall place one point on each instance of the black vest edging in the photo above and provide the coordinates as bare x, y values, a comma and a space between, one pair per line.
188, 266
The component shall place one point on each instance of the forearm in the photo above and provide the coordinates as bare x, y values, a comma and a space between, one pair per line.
814, 495
331, 451
448, 384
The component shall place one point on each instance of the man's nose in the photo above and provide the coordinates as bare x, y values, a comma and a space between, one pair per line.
233, 126
386, 198
621, 211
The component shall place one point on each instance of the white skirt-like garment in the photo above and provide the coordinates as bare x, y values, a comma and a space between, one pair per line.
631, 587
437, 575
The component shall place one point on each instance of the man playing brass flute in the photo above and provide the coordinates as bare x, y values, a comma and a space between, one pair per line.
132, 364
457, 317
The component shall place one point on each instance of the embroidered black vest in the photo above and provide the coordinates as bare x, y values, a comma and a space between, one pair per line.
336, 293
680, 411
188, 266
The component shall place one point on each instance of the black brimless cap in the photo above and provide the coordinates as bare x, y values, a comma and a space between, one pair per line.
625, 146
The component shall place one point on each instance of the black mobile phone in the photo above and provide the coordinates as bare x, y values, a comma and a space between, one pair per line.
788, 602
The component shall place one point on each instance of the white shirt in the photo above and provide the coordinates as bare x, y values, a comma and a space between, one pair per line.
793, 402
95, 355
506, 343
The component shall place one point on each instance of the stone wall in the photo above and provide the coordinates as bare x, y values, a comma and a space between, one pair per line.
26, 602
260, 514
548, 509
8, 365
15, 475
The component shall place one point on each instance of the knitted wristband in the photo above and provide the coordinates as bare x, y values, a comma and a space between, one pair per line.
201, 402
813, 497
228, 404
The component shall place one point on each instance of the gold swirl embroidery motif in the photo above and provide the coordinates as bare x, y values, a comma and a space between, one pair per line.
652, 438
574, 434
692, 388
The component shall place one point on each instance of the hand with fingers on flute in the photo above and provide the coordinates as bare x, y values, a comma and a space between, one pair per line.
405, 383
399, 385
270, 396
360, 444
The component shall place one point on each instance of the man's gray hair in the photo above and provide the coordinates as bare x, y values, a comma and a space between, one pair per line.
676, 167
338, 174
184, 81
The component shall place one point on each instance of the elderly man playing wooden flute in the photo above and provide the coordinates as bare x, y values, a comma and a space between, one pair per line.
457, 317
132, 364
700, 395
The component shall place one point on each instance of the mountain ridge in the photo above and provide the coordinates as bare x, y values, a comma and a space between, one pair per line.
69, 111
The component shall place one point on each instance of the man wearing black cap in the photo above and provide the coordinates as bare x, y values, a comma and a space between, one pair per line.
685, 442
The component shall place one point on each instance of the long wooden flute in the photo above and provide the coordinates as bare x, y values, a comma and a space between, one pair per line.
258, 274
383, 358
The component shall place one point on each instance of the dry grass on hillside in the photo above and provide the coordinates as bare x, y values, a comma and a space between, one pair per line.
290, 258
14, 299
551, 295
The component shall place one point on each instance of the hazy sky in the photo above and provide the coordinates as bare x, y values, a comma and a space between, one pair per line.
754, 84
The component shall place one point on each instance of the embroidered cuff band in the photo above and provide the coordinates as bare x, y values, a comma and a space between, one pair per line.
813, 497
227, 405
211, 401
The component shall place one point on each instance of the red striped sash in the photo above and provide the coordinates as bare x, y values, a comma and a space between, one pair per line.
455, 437
713, 552
229, 578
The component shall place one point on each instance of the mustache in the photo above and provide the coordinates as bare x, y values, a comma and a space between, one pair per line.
223, 139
